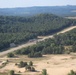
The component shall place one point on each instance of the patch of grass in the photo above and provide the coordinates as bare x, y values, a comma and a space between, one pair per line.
3, 74
7, 74
64, 59
73, 57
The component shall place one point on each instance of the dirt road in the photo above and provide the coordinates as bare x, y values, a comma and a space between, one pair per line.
34, 42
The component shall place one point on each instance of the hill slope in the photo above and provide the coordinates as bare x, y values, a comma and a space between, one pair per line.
29, 11
20, 29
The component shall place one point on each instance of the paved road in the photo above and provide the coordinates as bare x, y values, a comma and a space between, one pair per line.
34, 42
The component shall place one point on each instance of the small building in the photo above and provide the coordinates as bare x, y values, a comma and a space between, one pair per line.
12, 45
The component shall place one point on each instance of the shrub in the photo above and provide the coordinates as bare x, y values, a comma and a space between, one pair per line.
30, 63
22, 64
72, 73
11, 72
44, 72
10, 55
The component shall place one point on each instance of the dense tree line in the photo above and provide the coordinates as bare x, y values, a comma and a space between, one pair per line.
47, 47
55, 45
20, 29
18, 38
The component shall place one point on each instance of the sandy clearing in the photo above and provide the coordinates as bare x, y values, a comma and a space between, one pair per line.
71, 17
55, 65
11, 66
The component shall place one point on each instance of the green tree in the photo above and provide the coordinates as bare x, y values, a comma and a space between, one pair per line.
11, 72
10, 55
22, 64
72, 73
44, 72
30, 63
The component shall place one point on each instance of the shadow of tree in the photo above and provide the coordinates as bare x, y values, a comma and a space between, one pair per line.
17, 74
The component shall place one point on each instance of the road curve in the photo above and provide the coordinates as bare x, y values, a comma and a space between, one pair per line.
34, 42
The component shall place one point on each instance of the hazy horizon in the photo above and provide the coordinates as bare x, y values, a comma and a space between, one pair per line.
35, 6
33, 3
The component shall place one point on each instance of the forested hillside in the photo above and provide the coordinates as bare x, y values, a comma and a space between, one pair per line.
55, 45
20, 29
